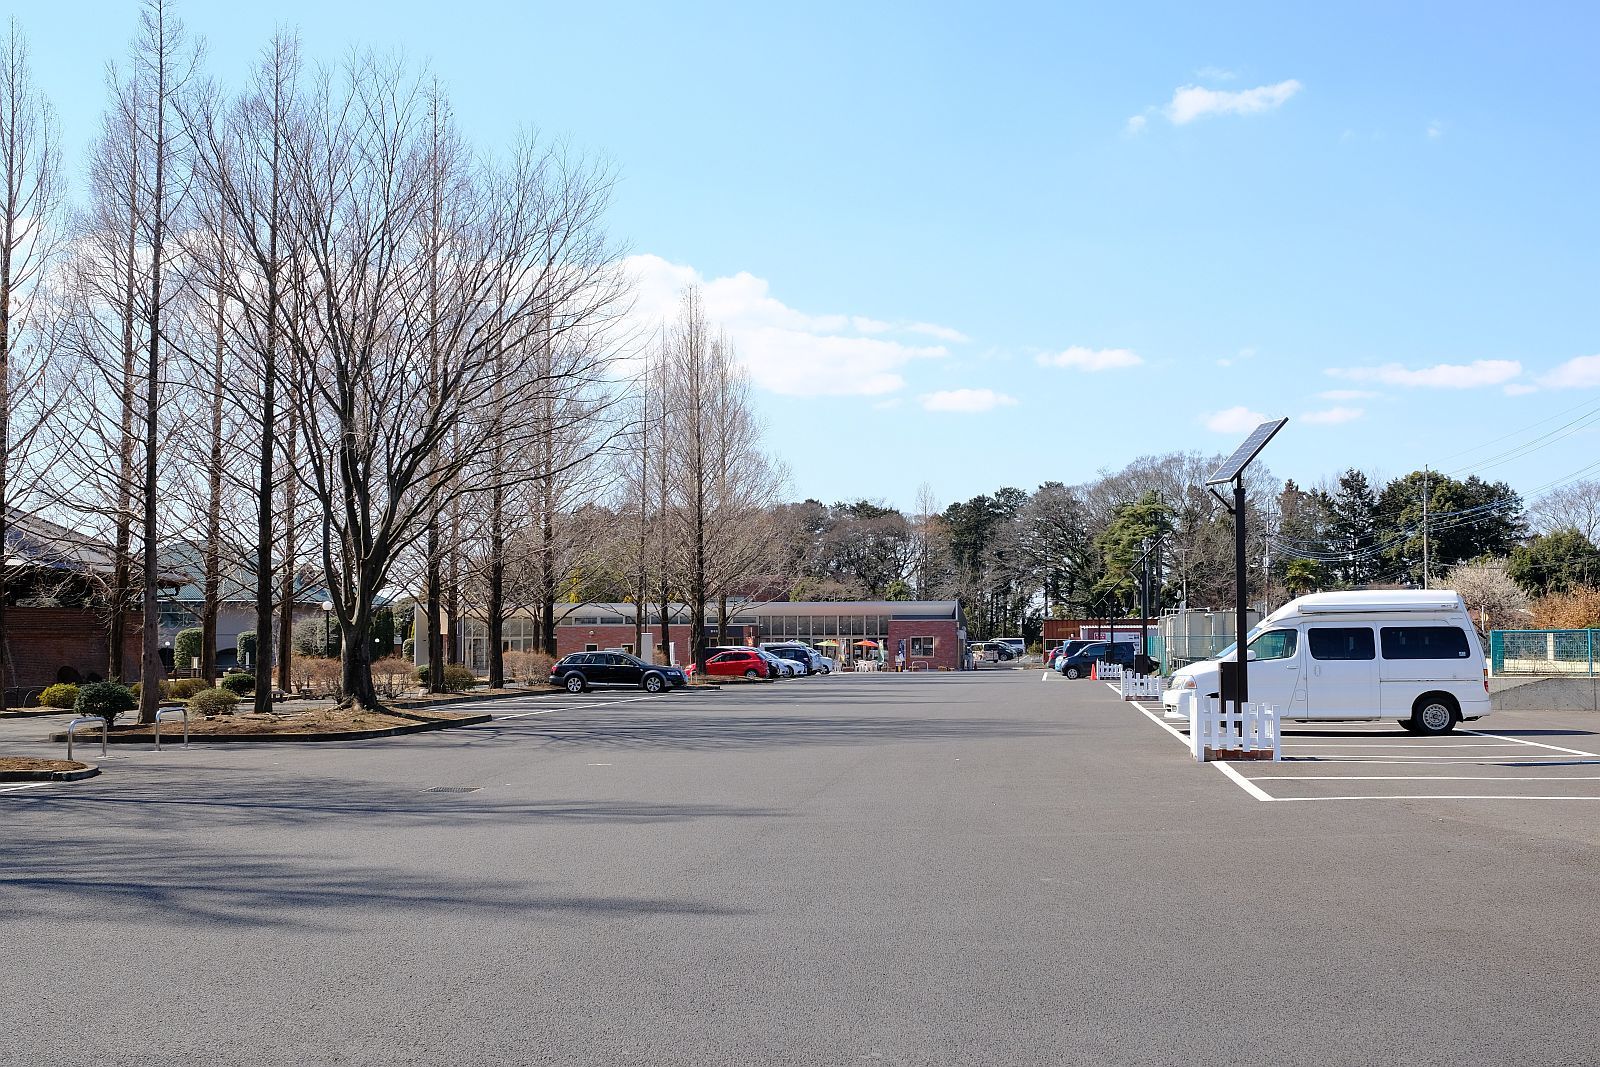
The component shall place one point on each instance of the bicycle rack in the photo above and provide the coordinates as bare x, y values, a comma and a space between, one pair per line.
90, 721
184, 711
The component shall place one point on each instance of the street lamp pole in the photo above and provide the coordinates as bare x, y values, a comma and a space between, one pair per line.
327, 629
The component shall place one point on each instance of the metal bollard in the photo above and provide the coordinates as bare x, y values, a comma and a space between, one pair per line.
90, 721
184, 711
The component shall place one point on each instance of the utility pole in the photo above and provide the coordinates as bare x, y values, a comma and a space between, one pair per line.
1424, 526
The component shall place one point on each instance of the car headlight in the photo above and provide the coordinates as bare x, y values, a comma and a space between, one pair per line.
1186, 682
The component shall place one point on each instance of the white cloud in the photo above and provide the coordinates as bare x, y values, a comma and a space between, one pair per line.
887, 405
966, 400
1435, 130
1192, 102
1234, 420
787, 350
1581, 372
1332, 416
1091, 359
1346, 394
1135, 125
1478, 373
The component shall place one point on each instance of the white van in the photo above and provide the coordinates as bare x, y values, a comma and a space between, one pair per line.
1410, 655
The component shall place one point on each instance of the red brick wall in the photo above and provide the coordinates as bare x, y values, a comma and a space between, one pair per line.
945, 651
43, 640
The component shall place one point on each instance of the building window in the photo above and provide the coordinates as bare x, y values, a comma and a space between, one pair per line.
922, 647
591, 648
588, 620
628, 648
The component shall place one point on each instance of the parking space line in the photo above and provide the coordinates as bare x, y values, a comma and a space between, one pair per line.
1420, 778
1535, 744
1238, 779
1430, 796
20, 788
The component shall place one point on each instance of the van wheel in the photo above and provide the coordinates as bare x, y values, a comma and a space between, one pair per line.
1434, 714
1072, 672
1408, 725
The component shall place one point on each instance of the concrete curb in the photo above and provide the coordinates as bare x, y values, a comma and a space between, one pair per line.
88, 770
175, 736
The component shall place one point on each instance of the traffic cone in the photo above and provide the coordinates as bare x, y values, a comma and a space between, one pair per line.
1094, 671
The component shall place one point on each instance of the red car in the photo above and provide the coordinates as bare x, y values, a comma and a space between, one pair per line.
736, 663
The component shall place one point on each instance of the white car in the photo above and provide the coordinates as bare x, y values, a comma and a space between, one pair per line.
1409, 655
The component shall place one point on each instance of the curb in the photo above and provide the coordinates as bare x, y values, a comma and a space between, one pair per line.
418, 726
89, 770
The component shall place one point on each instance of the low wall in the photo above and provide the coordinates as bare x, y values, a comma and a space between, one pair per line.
1545, 694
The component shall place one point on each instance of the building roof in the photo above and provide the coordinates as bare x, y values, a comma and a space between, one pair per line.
238, 577
35, 542
897, 609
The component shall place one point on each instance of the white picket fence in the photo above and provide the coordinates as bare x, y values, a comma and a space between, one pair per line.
1217, 732
1108, 672
1138, 687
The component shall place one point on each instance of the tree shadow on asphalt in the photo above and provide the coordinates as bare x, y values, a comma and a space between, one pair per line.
116, 880
275, 802
605, 729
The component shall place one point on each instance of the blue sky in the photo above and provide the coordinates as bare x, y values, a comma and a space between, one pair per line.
996, 244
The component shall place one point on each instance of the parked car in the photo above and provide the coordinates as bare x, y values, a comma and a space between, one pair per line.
1017, 645
1410, 655
802, 656
782, 668
1078, 664
582, 671
737, 663
1059, 654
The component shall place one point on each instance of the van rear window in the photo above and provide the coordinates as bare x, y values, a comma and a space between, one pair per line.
1424, 642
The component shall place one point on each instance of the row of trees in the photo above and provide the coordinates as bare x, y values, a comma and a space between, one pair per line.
305, 298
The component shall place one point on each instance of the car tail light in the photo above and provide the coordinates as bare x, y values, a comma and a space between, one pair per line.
1486, 679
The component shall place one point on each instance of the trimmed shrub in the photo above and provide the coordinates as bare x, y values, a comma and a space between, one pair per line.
105, 699
315, 675
238, 684
187, 646
408, 648
63, 695
245, 648
183, 688
457, 678
392, 676
310, 639
530, 668
214, 702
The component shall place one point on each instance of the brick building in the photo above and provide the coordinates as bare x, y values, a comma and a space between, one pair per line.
934, 633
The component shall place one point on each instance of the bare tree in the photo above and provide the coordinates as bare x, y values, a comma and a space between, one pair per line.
29, 238
1574, 507
387, 429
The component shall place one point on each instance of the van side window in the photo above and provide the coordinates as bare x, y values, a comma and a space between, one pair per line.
1424, 642
1276, 644
1340, 642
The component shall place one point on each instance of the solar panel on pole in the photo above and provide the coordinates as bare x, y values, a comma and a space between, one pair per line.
1235, 464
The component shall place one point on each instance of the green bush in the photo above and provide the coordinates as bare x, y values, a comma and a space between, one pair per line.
62, 695
239, 684
214, 702
246, 647
457, 679
186, 647
183, 688
105, 699
310, 639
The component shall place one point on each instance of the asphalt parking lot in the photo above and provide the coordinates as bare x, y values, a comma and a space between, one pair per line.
1506, 756
905, 869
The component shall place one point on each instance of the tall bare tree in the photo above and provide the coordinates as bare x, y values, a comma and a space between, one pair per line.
29, 238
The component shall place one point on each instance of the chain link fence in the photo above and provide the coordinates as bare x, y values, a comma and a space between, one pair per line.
1542, 651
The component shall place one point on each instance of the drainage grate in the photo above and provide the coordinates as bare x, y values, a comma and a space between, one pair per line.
453, 789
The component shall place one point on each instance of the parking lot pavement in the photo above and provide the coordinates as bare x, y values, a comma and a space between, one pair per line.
1507, 756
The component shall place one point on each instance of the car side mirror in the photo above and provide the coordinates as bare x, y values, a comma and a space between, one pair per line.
1250, 656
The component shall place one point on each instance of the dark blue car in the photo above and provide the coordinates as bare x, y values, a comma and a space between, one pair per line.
583, 671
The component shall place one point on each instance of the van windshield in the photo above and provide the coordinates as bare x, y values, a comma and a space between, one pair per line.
1228, 652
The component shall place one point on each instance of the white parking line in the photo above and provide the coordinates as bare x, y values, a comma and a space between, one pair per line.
1432, 796
20, 788
1419, 778
1535, 744
1238, 779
